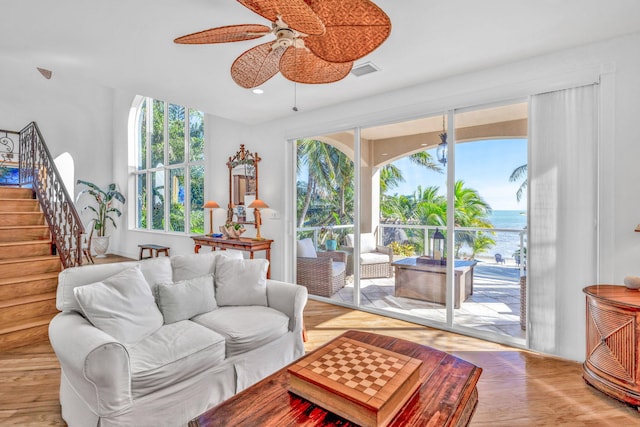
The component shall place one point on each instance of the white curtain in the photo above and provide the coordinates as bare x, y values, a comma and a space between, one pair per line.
563, 192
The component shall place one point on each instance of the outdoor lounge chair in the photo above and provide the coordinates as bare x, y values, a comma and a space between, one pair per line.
499, 259
322, 273
375, 260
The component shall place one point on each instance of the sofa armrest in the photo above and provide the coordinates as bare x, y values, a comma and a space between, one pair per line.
289, 299
93, 362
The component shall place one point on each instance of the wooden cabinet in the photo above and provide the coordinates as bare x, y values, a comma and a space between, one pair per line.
612, 362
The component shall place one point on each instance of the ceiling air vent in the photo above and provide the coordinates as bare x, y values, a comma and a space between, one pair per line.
366, 68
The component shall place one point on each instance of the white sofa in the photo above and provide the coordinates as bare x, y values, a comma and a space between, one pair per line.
165, 371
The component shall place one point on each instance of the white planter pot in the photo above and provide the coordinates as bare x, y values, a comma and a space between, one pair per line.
100, 246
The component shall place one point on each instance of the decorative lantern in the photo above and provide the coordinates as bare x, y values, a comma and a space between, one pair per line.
438, 247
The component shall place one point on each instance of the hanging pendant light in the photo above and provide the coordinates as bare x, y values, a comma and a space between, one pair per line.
441, 152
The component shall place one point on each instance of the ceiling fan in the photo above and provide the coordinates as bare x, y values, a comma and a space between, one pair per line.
316, 40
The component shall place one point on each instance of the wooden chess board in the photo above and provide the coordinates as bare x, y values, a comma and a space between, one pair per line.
360, 382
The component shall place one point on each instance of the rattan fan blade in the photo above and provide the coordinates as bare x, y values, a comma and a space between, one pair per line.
301, 66
295, 13
353, 29
230, 33
256, 65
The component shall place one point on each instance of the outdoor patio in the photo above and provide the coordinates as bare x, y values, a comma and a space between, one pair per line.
494, 305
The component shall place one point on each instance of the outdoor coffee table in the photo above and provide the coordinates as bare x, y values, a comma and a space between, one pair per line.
447, 395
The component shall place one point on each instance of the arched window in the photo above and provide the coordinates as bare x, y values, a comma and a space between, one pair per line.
169, 160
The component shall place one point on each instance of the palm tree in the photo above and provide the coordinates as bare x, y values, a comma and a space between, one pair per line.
520, 173
320, 173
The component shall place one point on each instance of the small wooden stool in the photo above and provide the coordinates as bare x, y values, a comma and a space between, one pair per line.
151, 248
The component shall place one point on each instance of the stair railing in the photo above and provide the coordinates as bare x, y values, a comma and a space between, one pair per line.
38, 169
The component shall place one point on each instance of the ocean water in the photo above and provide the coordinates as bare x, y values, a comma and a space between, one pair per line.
506, 243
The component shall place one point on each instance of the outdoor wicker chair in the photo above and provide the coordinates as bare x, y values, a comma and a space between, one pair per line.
322, 273
375, 260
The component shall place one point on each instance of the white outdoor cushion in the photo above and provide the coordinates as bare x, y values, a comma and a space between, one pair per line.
245, 328
155, 270
196, 265
367, 242
374, 258
241, 282
122, 306
172, 354
187, 298
305, 249
337, 268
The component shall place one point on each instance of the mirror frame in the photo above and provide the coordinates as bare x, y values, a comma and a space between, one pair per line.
242, 158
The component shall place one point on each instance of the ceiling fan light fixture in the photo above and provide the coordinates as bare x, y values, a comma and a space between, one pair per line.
364, 69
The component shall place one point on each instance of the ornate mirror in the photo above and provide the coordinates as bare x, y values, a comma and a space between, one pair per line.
243, 185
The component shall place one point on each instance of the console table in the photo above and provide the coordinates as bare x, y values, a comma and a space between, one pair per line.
613, 335
242, 244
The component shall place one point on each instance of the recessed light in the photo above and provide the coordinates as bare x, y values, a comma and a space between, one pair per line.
385, 154
258, 91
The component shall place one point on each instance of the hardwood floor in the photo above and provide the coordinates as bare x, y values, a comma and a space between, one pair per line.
517, 388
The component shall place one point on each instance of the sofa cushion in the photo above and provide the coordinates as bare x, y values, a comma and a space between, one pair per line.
241, 282
200, 264
187, 298
122, 306
171, 354
374, 258
155, 270
305, 249
245, 328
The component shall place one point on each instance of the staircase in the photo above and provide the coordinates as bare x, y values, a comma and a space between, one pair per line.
28, 270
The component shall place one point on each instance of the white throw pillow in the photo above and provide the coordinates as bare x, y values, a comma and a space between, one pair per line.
197, 265
367, 243
305, 249
122, 306
187, 298
241, 282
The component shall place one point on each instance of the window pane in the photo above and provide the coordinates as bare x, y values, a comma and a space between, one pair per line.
157, 137
157, 183
197, 199
196, 135
176, 134
141, 191
176, 212
142, 136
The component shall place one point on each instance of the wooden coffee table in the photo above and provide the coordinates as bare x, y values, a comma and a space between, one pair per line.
447, 395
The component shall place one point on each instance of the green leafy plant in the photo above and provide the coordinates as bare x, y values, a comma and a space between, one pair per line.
404, 249
104, 204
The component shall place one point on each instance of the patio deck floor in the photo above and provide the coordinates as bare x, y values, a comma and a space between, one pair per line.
494, 305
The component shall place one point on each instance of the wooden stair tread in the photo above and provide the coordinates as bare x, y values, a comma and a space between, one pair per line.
28, 259
27, 300
9, 327
13, 227
24, 243
29, 278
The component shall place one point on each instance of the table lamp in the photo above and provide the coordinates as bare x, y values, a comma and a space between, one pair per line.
211, 205
258, 204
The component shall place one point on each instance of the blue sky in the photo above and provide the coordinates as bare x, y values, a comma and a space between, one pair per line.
483, 165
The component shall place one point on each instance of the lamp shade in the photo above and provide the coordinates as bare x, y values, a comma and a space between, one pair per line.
211, 205
258, 204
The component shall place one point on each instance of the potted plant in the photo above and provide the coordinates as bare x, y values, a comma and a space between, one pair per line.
330, 242
104, 210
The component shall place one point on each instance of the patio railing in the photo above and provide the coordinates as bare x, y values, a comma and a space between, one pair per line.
419, 236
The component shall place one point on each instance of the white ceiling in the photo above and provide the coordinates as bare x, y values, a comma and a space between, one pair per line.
128, 44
